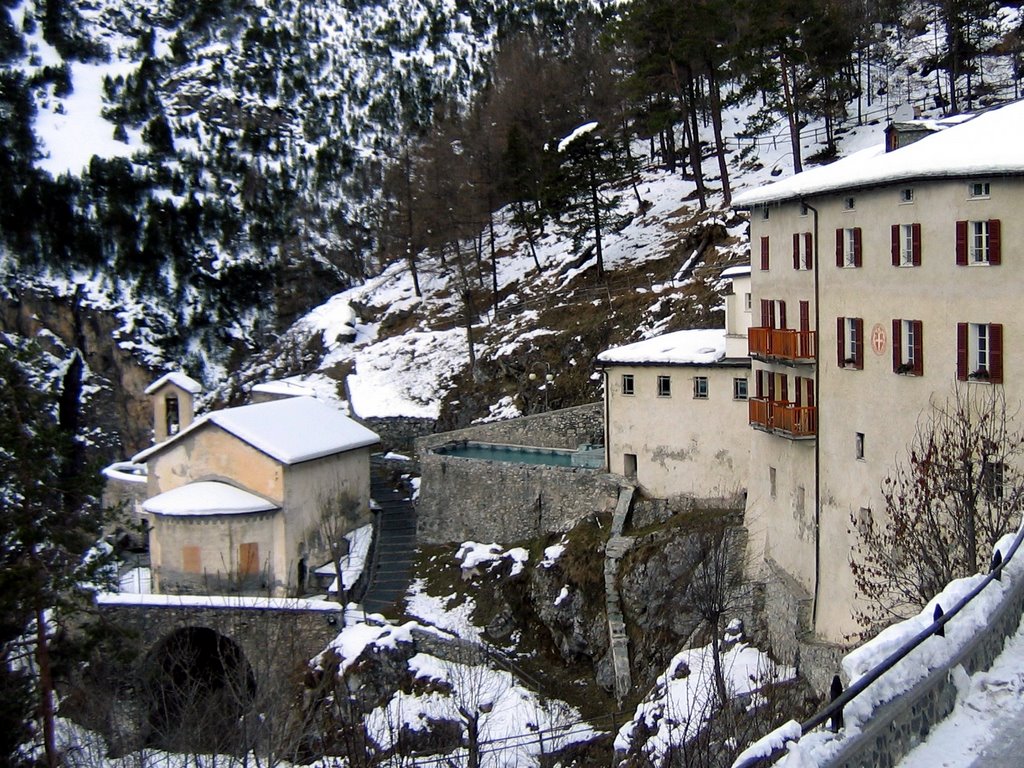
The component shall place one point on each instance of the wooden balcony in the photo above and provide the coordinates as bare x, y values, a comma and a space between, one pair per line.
796, 422
782, 344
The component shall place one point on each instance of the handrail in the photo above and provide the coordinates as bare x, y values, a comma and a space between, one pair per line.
834, 710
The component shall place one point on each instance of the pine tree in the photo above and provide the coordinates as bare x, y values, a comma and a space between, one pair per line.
51, 523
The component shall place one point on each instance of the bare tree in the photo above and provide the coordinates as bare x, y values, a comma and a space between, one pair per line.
338, 513
959, 489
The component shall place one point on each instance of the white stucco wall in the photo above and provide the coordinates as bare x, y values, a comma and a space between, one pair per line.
684, 447
880, 404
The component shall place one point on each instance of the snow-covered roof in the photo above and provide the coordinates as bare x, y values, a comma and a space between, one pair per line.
694, 347
987, 145
739, 270
292, 430
206, 498
177, 378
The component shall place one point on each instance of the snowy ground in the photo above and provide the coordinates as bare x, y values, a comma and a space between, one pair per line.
987, 726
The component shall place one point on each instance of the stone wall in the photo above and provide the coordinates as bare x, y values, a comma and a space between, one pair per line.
463, 499
786, 626
565, 428
399, 433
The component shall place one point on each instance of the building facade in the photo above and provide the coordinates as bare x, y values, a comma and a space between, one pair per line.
878, 283
236, 499
676, 405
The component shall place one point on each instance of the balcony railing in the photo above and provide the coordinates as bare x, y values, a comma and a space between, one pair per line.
797, 422
782, 344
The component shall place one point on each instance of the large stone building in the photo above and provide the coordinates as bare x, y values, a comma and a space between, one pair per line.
676, 408
878, 282
236, 498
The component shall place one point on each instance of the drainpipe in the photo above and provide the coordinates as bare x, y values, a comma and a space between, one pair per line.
817, 405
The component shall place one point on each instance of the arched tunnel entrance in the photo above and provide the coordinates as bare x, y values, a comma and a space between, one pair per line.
199, 686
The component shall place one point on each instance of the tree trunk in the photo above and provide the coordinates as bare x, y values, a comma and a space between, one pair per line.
596, 207
46, 708
494, 261
789, 97
716, 123
691, 140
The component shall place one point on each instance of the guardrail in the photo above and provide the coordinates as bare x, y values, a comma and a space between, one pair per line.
833, 712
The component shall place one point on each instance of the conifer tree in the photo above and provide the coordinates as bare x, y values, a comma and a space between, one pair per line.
50, 520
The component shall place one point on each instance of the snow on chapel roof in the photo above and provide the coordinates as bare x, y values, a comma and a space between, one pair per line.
695, 347
177, 378
206, 498
987, 145
291, 431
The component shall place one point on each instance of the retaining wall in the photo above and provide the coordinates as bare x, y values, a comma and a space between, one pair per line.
472, 499
565, 428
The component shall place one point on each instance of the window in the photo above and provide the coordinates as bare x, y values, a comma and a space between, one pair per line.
628, 384
803, 209
773, 313
664, 386
191, 559
978, 242
848, 247
802, 250
850, 342
993, 479
978, 189
764, 254
858, 446
906, 195
747, 302
906, 245
765, 213
979, 353
172, 415
849, 203
700, 387
772, 490
907, 347
739, 389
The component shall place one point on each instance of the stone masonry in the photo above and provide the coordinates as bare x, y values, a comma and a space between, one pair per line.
463, 499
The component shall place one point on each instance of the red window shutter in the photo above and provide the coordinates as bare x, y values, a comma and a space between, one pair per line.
810, 392
771, 387
798, 390
809, 250
782, 315
895, 231
995, 355
759, 384
856, 247
918, 348
805, 316
839, 248
784, 380
961, 243
994, 242
796, 250
915, 236
961, 351
841, 340
897, 345
766, 313
859, 350
764, 253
